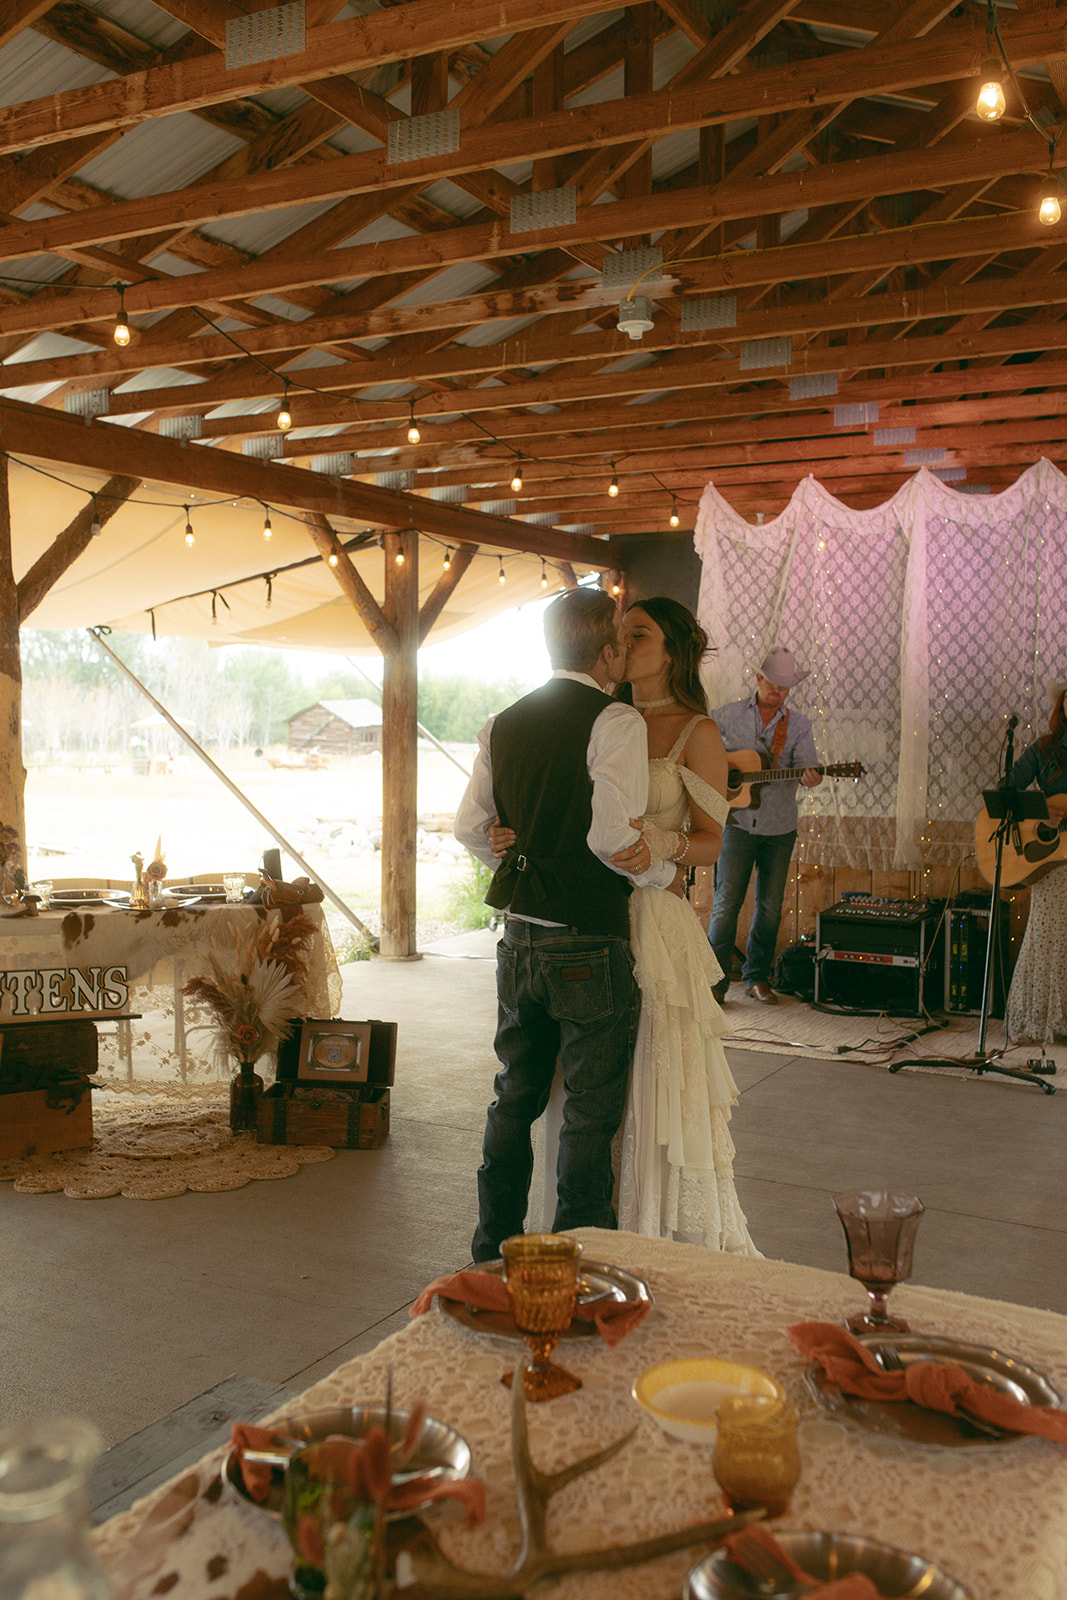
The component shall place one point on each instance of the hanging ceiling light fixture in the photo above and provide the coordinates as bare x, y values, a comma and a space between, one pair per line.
674, 518
413, 428
284, 420
121, 331
516, 476
1051, 208
94, 526
190, 536
544, 574
990, 106
613, 486
501, 576
448, 559
268, 531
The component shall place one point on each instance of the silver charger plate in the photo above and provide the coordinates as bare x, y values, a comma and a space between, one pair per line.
904, 1420
597, 1280
441, 1449
74, 899
827, 1556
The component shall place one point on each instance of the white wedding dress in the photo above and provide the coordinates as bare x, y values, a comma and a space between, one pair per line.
676, 1178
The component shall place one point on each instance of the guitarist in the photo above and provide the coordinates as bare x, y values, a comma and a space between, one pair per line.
761, 835
1037, 1001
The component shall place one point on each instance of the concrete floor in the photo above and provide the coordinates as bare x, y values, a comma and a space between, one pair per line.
122, 1310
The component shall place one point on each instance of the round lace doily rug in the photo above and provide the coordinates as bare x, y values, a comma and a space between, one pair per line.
156, 1149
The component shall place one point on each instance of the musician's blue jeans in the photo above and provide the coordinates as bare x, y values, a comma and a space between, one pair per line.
571, 997
769, 854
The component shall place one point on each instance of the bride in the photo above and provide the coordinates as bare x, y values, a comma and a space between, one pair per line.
676, 1173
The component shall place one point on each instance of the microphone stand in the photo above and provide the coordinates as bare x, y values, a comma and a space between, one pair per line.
1007, 806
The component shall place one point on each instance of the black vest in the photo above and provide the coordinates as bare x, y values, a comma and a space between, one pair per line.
539, 749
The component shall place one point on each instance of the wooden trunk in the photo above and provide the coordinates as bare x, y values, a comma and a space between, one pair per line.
29, 1126
348, 1119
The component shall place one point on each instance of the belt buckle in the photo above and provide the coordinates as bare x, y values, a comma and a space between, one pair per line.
520, 863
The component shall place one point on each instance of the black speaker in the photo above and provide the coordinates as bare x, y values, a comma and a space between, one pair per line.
875, 956
966, 937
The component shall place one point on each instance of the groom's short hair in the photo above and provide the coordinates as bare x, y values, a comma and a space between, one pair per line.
577, 627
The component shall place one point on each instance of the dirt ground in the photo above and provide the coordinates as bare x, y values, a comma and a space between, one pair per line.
87, 821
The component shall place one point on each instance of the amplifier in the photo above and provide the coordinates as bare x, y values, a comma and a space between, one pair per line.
966, 937
879, 957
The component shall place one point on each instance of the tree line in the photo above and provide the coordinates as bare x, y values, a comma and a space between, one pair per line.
75, 701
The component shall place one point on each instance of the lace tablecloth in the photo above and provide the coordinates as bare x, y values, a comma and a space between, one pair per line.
160, 951
994, 1517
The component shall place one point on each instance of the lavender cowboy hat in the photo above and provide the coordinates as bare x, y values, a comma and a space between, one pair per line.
779, 667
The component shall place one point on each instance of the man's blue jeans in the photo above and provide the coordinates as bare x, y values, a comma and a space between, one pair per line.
770, 855
571, 997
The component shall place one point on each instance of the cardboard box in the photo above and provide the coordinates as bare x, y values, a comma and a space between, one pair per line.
30, 1126
354, 1118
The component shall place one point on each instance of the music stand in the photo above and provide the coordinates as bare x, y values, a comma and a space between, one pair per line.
1007, 806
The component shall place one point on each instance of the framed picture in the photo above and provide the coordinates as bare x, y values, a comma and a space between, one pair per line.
334, 1052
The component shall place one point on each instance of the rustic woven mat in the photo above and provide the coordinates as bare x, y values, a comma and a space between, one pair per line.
158, 1147
794, 1028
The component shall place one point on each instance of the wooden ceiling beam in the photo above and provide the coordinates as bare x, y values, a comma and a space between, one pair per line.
49, 436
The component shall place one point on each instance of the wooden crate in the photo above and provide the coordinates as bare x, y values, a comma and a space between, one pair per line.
30, 1126
348, 1119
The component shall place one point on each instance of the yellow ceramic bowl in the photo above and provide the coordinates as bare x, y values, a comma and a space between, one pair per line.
682, 1396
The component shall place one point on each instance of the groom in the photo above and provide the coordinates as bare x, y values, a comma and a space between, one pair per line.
566, 768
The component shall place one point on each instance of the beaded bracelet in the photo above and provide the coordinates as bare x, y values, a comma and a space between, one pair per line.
678, 859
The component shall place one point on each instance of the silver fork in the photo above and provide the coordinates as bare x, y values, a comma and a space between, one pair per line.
888, 1358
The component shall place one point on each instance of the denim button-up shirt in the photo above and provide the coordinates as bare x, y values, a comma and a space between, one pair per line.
742, 729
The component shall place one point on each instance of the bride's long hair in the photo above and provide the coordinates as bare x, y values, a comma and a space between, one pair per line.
686, 645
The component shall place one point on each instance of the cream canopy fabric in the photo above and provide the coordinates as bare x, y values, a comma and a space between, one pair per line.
140, 567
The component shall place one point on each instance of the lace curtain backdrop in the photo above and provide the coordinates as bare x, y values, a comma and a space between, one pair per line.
926, 621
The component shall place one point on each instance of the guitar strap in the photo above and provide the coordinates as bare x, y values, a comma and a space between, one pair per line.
778, 744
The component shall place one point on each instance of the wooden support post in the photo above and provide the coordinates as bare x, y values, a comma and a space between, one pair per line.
12, 771
400, 747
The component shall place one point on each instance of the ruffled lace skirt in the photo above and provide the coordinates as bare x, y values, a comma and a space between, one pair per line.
1037, 1002
676, 1177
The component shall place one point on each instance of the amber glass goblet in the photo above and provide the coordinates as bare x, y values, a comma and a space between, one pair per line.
541, 1272
756, 1461
879, 1229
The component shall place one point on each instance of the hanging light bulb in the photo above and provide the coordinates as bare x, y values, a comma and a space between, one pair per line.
269, 581
990, 103
544, 574
413, 428
615, 589
332, 558
399, 558
268, 531
1050, 209
214, 611
501, 578
190, 536
674, 518
94, 526
613, 486
284, 420
448, 559
121, 331
516, 477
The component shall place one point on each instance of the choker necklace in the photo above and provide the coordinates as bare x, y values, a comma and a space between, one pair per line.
653, 705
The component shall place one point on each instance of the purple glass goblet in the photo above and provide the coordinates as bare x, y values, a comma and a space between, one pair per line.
879, 1229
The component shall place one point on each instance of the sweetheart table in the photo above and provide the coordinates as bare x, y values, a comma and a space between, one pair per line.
992, 1516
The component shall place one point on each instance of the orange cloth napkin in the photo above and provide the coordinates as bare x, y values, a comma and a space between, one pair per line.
486, 1292
256, 1475
854, 1587
937, 1385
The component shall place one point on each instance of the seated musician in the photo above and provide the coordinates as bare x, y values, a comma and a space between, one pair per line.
762, 835
1037, 1001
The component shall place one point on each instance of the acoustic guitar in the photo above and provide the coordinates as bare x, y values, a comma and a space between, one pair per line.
1030, 848
748, 771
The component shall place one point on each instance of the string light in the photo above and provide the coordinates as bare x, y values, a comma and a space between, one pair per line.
516, 477
214, 612
544, 574
501, 577
413, 428
268, 531
990, 104
1050, 210
269, 581
284, 420
674, 519
190, 536
94, 526
448, 559
121, 331
399, 558
613, 486
333, 558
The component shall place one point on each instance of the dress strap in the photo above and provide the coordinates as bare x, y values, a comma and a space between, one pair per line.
710, 801
679, 744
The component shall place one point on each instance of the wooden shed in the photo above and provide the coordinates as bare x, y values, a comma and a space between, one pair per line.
336, 728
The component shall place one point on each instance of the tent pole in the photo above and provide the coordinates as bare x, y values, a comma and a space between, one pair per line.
346, 911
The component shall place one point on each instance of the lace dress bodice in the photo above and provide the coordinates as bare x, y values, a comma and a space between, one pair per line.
671, 785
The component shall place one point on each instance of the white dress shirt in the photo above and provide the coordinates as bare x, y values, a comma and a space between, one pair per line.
617, 763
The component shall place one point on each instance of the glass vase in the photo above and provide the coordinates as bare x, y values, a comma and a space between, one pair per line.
246, 1088
44, 1511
